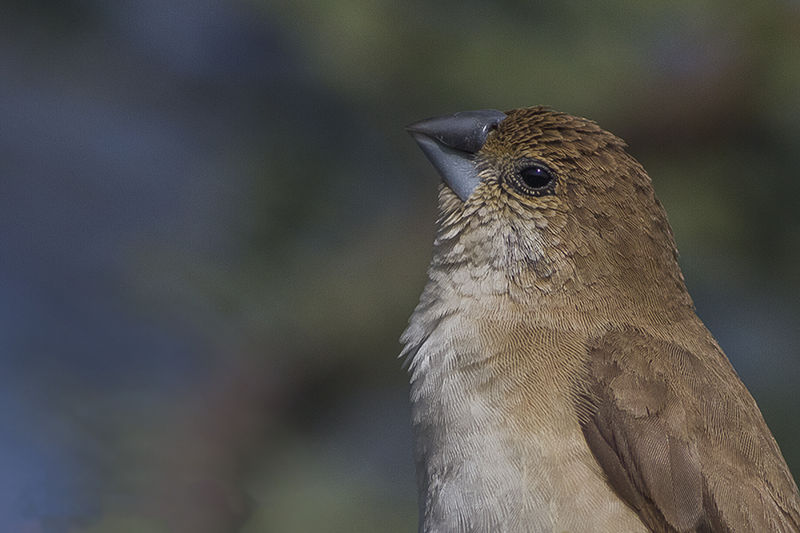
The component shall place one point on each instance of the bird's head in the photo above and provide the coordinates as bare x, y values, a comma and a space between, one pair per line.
543, 202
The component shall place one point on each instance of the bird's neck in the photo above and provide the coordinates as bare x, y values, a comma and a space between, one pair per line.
629, 276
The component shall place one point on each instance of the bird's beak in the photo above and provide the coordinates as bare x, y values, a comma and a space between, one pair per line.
450, 143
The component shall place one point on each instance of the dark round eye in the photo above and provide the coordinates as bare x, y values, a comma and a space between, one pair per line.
535, 180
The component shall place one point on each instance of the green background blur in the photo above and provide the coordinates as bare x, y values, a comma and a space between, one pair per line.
214, 228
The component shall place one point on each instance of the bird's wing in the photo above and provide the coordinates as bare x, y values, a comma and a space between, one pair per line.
688, 454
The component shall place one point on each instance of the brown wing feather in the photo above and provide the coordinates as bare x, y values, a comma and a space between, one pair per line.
688, 454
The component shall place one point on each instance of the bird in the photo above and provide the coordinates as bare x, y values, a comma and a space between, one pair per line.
560, 378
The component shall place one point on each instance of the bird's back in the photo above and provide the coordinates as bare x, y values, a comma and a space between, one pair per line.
689, 454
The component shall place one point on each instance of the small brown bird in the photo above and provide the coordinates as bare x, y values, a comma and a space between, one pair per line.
560, 378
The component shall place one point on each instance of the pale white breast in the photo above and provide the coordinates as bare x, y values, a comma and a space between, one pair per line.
480, 469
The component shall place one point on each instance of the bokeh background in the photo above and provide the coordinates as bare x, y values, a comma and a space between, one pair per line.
213, 229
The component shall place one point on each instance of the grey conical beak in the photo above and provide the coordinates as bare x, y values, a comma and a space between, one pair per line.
450, 143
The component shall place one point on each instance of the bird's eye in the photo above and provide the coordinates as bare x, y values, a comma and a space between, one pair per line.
535, 180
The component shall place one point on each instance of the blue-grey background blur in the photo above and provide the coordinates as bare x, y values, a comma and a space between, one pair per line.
214, 228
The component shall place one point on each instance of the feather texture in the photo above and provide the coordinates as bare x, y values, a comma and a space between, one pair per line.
560, 378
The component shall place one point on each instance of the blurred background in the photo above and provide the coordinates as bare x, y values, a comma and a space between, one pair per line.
213, 228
